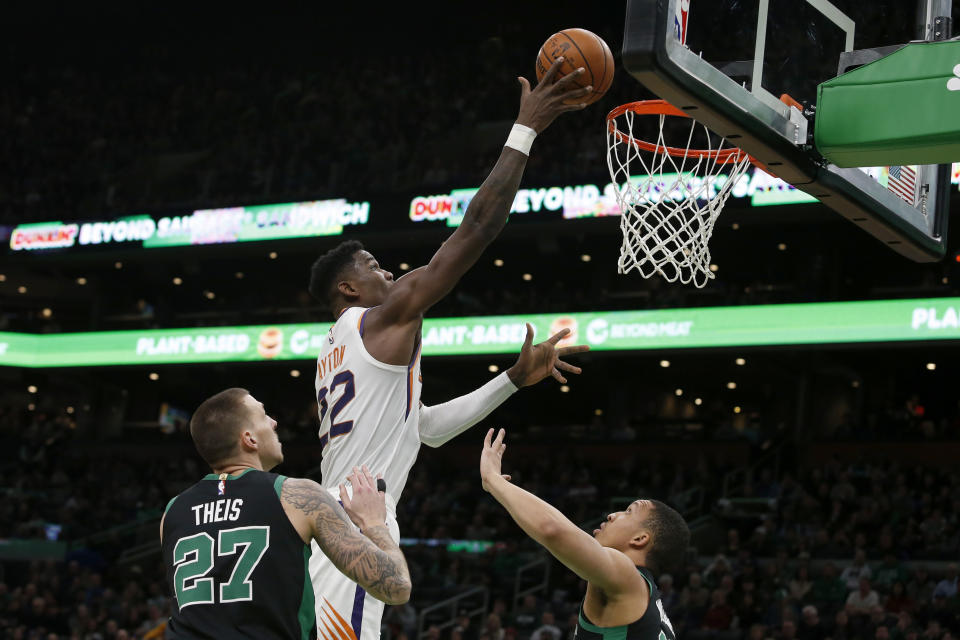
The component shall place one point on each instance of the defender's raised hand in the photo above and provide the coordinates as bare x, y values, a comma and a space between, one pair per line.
367, 507
541, 105
491, 458
536, 362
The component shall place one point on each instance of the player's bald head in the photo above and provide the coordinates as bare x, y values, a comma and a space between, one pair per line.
217, 423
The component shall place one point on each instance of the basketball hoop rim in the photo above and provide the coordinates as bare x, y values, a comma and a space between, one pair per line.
664, 108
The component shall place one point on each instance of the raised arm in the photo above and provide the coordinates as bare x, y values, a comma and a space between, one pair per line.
443, 422
370, 558
603, 567
420, 289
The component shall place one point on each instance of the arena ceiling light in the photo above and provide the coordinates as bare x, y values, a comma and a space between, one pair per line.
931, 366
782, 246
735, 226
3, 278
740, 362
47, 312
81, 281
154, 376
493, 368
714, 268
585, 257
731, 385
32, 388
598, 412
678, 392
118, 265
21, 289
498, 262
404, 266
698, 401
664, 363
238, 275
210, 295
736, 409
273, 255
31, 407
178, 281
564, 389
294, 373
70, 410
527, 277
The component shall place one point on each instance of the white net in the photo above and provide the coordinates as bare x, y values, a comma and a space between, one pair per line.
670, 203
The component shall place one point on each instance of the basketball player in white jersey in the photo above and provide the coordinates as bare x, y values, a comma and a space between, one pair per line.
368, 371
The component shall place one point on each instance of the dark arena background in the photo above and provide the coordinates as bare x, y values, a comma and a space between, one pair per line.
801, 411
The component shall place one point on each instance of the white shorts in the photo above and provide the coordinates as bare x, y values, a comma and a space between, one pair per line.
342, 605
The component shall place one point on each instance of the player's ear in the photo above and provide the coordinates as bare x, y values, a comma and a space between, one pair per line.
248, 441
347, 290
641, 540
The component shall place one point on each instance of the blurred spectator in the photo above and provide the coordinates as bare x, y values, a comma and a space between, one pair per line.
547, 630
899, 600
948, 586
889, 572
492, 628
403, 618
800, 585
863, 600
719, 616
810, 627
527, 615
841, 629
856, 570
829, 588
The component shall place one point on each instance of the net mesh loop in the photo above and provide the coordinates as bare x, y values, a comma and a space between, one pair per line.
669, 196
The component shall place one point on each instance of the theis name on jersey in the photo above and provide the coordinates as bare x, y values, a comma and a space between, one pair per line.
331, 361
220, 510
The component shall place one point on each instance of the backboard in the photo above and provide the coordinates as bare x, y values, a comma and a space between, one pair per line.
728, 62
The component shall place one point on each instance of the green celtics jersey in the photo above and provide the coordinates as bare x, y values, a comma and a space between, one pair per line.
235, 564
652, 625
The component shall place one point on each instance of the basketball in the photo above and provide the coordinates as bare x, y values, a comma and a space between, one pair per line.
580, 48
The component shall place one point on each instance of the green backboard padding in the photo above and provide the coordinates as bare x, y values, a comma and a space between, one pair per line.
903, 109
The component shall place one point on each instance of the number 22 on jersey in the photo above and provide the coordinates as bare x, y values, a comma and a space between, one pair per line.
344, 379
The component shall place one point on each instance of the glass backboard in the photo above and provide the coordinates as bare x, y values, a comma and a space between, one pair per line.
728, 62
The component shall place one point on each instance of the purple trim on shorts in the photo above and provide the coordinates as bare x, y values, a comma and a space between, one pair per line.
357, 618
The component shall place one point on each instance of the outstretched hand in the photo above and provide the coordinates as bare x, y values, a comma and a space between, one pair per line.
541, 105
367, 506
491, 458
536, 362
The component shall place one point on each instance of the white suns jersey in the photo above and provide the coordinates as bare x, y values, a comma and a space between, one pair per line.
369, 411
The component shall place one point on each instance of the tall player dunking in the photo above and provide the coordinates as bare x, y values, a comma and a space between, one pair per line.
368, 371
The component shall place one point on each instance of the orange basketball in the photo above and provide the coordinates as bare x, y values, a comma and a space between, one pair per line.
580, 48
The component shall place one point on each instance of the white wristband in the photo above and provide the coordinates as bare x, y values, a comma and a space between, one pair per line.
521, 138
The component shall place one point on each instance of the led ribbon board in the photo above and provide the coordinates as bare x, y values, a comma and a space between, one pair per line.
332, 217
205, 226
788, 324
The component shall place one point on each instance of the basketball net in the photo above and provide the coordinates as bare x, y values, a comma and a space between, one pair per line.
669, 197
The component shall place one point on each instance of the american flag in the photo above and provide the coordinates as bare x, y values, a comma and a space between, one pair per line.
903, 182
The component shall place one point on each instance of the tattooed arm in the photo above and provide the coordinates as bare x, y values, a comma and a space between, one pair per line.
371, 558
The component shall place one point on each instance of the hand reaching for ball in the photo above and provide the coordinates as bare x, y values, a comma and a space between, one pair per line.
540, 106
574, 68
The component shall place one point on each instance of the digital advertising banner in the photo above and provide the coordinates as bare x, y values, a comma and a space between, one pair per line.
335, 216
201, 227
790, 324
